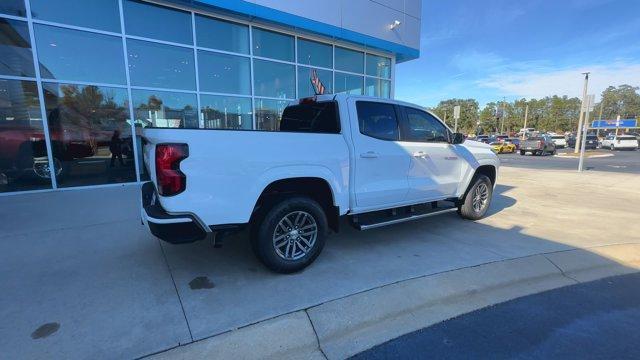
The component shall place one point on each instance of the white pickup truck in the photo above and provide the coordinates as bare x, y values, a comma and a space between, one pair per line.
376, 161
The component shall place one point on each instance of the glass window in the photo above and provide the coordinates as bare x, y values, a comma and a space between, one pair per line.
378, 66
90, 134
305, 84
273, 45
274, 79
423, 127
377, 120
157, 22
24, 164
269, 113
350, 84
378, 87
222, 35
79, 56
159, 65
349, 60
316, 117
15, 49
97, 14
226, 112
315, 54
224, 73
164, 109
13, 7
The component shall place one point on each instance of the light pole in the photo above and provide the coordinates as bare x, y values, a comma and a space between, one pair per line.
582, 109
504, 114
526, 115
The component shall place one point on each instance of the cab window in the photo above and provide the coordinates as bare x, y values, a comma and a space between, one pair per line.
423, 127
377, 120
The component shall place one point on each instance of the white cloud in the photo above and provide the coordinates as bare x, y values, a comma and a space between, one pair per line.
569, 81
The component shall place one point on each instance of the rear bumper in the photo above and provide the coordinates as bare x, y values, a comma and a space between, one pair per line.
172, 228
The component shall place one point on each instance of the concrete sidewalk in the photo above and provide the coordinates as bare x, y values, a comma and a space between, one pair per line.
82, 261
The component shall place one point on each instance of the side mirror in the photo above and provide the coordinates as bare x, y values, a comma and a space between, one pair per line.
457, 138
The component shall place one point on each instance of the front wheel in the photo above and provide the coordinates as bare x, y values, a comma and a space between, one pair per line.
522, 152
477, 199
290, 235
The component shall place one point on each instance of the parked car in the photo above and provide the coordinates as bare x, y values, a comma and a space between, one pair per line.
500, 137
591, 143
502, 147
482, 138
332, 156
620, 142
539, 145
514, 141
559, 140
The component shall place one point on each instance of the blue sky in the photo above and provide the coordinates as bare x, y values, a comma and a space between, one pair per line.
494, 48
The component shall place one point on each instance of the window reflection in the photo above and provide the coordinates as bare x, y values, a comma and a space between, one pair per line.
274, 79
224, 73
378, 87
226, 112
90, 134
159, 65
222, 35
13, 7
157, 22
349, 60
269, 114
15, 49
24, 164
75, 55
315, 54
306, 88
97, 14
378, 66
164, 109
273, 45
350, 84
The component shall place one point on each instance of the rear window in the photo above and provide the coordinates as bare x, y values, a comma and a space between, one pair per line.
315, 117
557, 137
627, 137
377, 120
536, 138
592, 137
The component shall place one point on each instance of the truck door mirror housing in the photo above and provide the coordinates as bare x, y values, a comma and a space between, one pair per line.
457, 138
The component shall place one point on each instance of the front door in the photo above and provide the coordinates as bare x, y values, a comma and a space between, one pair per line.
435, 163
380, 163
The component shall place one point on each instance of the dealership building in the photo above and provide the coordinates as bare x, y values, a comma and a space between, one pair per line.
79, 79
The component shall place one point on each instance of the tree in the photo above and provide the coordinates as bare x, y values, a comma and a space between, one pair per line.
623, 100
468, 113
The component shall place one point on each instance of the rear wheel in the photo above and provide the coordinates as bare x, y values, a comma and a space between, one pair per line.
290, 235
477, 199
522, 152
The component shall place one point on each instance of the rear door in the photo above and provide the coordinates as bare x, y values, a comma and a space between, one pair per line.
380, 163
435, 163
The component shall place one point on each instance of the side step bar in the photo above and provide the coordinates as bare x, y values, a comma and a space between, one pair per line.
403, 219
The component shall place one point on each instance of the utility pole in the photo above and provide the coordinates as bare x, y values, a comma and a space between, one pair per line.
589, 102
504, 114
582, 109
600, 117
526, 115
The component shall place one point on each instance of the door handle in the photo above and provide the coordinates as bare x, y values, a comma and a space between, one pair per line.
420, 154
369, 155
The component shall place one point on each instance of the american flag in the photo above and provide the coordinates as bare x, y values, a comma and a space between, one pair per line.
318, 87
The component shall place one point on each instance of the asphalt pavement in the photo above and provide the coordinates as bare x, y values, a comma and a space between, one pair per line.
593, 320
610, 161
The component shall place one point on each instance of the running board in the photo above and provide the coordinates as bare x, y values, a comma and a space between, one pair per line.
403, 219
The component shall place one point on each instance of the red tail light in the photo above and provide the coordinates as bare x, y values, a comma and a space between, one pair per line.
171, 181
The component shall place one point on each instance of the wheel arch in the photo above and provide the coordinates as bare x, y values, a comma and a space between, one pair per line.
316, 188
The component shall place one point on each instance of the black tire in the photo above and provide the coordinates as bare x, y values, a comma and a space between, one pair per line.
522, 152
264, 232
466, 207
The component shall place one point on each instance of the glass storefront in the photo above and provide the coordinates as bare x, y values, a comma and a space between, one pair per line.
78, 81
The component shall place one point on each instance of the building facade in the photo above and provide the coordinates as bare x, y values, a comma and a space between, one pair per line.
80, 78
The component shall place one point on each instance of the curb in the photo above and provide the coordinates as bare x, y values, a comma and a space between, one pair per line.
587, 156
344, 327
